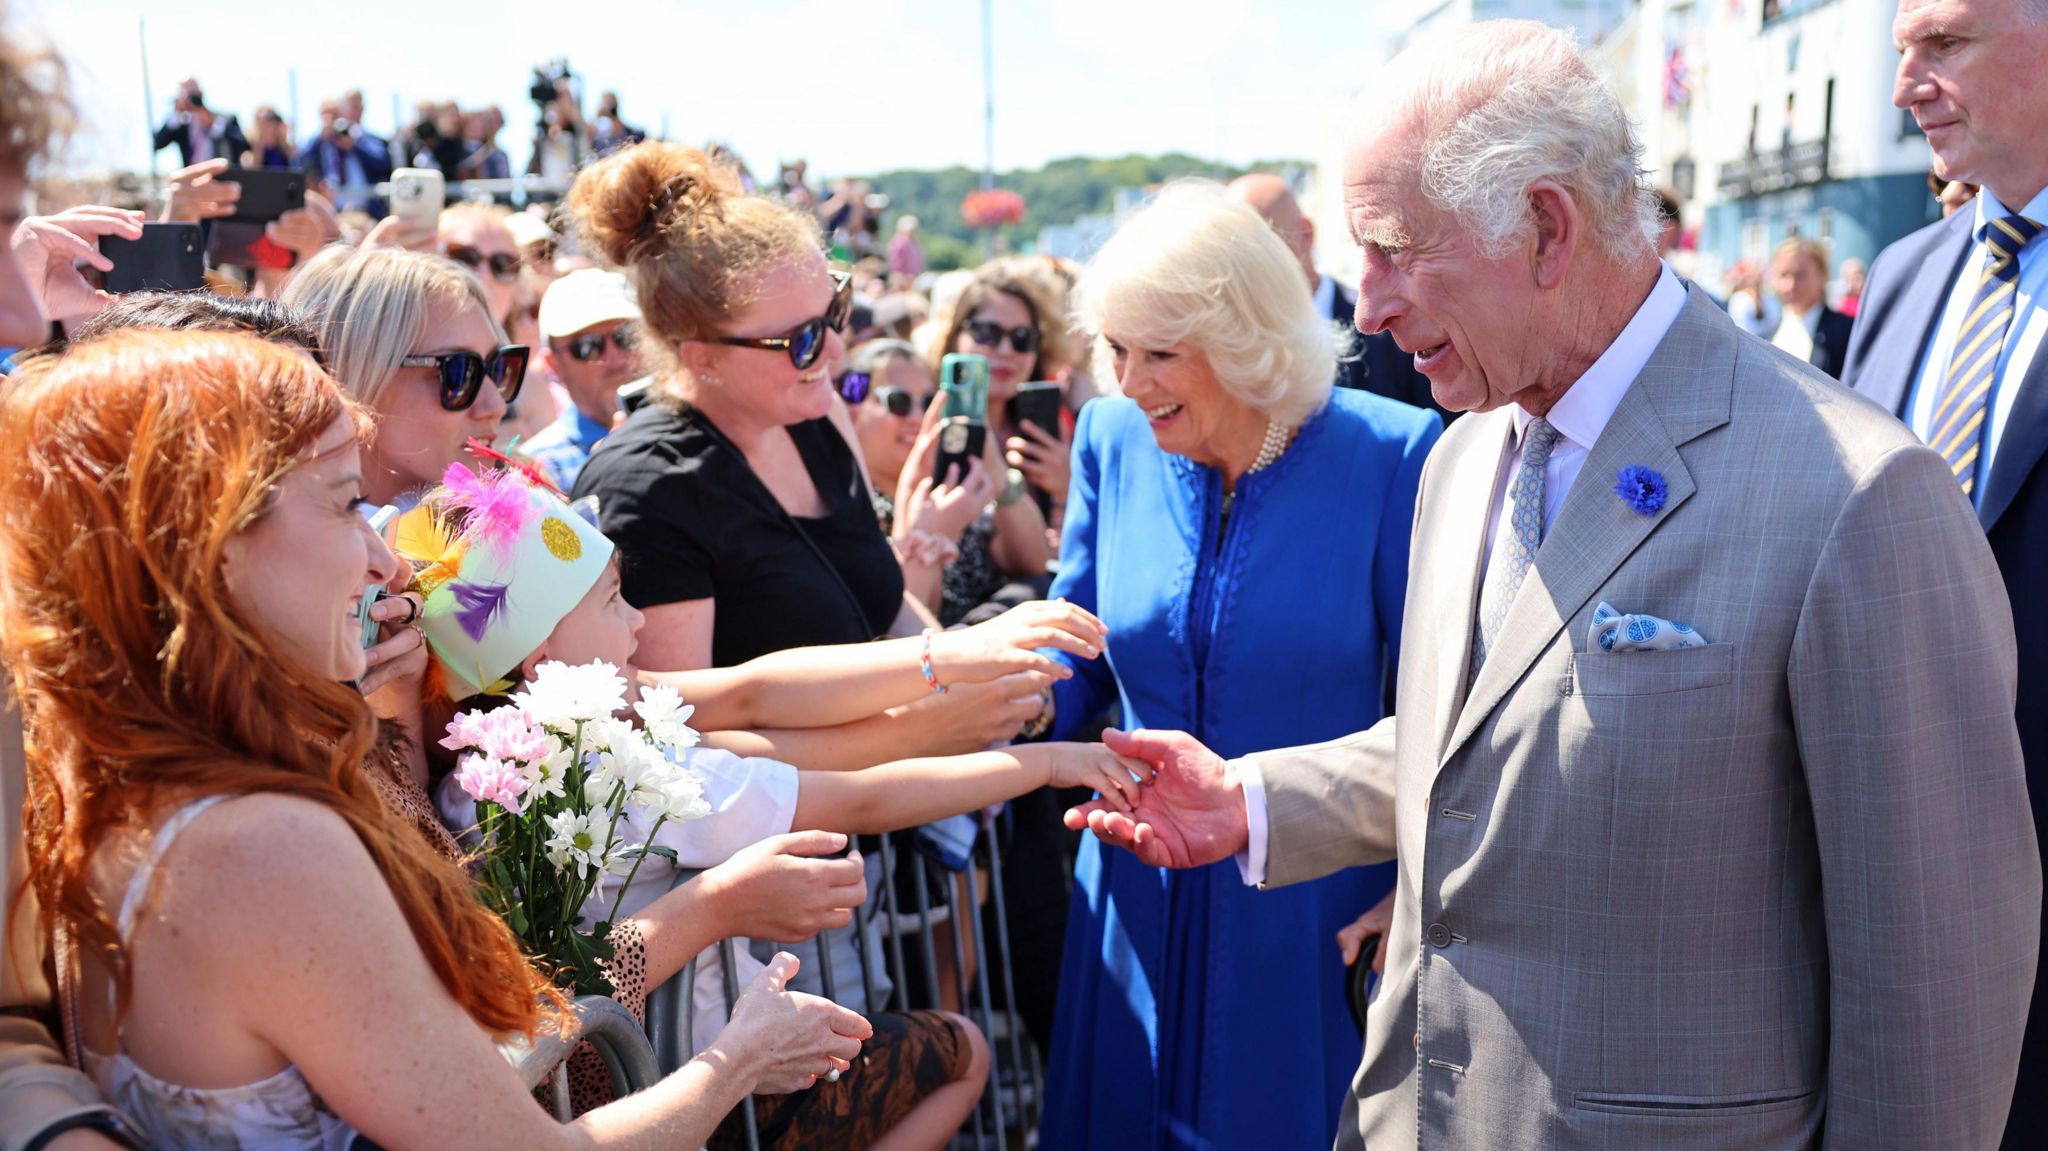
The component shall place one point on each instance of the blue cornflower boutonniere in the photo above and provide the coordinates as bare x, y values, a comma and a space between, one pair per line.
1641, 488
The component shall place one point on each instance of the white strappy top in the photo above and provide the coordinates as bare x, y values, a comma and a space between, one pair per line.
279, 1113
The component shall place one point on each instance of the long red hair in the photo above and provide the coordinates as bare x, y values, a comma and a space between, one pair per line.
125, 468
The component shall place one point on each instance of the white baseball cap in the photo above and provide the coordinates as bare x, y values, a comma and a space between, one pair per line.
585, 298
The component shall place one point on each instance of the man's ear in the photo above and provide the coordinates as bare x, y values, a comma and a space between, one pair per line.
1559, 231
544, 359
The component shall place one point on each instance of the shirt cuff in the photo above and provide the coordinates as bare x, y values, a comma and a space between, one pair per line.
1251, 862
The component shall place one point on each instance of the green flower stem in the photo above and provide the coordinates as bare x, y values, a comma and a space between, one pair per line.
637, 861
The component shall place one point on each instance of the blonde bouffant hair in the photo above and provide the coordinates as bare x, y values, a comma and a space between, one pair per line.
694, 243
1197, 267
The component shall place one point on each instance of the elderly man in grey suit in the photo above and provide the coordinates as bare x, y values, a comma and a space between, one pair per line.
1703, 778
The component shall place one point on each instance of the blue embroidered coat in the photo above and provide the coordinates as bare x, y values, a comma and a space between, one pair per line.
1194, 1011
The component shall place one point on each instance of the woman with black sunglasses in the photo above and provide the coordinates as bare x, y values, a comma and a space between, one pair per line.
412, 337
734, 495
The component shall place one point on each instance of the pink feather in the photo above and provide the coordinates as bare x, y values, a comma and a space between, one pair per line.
498, 505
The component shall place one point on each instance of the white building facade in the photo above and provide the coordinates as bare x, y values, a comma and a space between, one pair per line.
1770, 118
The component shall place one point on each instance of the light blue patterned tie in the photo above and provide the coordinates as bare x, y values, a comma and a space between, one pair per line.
1957, 430
1510, 564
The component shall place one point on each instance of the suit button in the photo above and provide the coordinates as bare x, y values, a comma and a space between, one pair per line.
1438, 935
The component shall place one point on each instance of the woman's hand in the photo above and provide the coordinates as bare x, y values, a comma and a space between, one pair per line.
972, 716
399, 232
1091, 765
198, 193
396, 668
1045, 459
944, 510
785, 1041
1373, 923
48, 249
782, 889
1011, 642
305, 231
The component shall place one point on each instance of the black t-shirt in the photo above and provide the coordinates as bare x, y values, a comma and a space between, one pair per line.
692, 521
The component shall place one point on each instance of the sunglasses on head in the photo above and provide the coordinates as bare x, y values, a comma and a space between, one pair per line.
988, 334
584, 349
806, 342
901, 404
504, 266
463, 373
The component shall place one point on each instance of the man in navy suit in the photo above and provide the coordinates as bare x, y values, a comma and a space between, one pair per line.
1950, 335
1372, 363
345, 156
199, 132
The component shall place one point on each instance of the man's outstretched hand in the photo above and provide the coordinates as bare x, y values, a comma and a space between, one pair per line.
1191, 813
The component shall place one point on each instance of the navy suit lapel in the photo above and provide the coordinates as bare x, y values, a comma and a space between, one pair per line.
2019, 445
1916, 317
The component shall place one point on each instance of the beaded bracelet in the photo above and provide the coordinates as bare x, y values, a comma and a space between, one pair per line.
924, 664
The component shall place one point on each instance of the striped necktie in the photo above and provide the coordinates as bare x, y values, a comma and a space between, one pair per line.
1958, 424
1510, 564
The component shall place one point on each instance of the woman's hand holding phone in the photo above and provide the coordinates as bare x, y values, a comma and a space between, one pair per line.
48, 249
197, 193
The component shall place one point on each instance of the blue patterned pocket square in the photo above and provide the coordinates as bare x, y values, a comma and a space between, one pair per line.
1613, 631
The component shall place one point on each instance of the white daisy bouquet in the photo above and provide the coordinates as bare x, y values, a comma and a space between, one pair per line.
552, 774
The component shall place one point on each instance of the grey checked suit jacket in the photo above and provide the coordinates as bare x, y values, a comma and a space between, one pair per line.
1781, 891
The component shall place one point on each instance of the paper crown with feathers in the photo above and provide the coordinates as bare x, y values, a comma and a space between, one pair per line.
499, 560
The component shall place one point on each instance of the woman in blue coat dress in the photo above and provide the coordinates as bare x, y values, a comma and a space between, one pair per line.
1244, 533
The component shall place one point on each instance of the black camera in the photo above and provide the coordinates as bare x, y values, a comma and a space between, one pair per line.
548, 82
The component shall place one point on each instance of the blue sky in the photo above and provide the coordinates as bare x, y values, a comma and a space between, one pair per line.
852, 85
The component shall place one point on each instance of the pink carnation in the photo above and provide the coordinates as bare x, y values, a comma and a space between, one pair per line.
501, 733
489, 780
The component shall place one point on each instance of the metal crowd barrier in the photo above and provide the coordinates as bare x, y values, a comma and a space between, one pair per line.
1016, 1083
611, 1029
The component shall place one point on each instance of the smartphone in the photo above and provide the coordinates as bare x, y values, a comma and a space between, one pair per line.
1038, 403
963, 390
166, 258
418, 195
267, 193
381, 519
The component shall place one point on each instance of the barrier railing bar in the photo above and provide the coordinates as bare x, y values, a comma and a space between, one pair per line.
732, 996
993, 1094
951, 881
1020, 1064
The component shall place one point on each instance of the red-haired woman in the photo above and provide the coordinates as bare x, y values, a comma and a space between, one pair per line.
267, 960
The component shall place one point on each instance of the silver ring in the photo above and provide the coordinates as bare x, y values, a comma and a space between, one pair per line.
832, 1076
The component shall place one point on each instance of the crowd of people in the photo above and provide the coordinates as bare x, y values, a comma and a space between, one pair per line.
1655, 735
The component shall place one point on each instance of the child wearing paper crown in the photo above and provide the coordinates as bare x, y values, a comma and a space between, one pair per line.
512, 577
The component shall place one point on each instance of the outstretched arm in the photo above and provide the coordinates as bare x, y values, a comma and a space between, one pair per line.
914, 791
842, 683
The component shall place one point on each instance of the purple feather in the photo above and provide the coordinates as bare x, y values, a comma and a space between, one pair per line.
498, 506
478, 604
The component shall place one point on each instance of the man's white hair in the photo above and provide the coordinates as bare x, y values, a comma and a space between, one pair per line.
1505, 103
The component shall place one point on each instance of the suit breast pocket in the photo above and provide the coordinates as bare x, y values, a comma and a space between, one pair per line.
1595, 674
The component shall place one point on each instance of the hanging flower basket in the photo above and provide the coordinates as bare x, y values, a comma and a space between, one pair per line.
986, 208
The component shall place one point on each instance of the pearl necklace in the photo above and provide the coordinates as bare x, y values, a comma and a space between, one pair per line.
1276, 442
1278, 436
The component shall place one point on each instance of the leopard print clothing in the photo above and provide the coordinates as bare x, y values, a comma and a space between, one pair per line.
911, 1055
590, 1085
403, 796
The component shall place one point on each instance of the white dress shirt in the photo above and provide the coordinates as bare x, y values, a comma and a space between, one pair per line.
1579, 416
1325, 296
1796, 332
2022, 339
